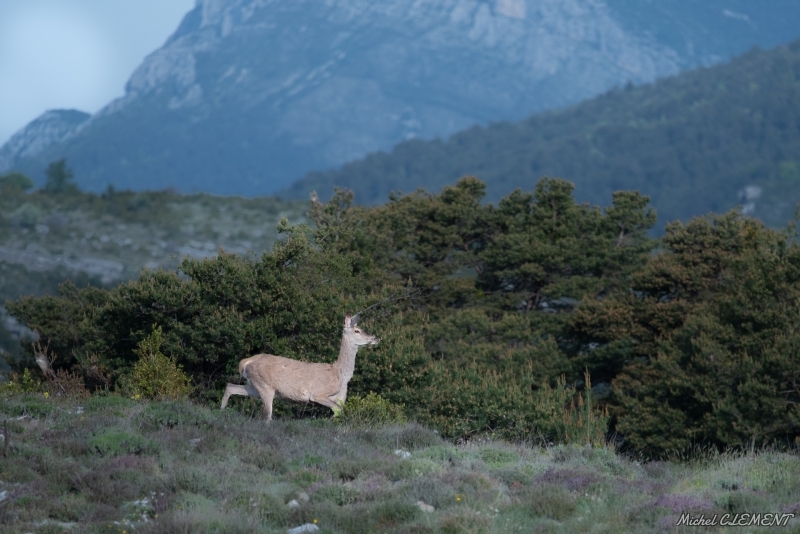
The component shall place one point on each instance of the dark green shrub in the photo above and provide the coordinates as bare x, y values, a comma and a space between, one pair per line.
15, 180
709, 336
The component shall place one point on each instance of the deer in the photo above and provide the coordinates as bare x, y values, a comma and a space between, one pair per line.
322, 383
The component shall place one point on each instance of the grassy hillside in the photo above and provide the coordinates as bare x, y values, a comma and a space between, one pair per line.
111, 465
47, 237
702, 141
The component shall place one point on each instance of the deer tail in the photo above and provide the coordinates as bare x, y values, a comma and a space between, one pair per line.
243, 364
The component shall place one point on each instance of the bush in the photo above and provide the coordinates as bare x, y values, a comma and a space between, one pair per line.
575, 423
67, 384
370, 410
155, 376
16, 180
19, 385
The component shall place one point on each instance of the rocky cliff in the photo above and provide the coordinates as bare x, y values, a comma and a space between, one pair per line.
248, 95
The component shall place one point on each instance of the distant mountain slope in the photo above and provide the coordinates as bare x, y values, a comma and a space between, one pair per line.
701, 141
248, 95
49, 128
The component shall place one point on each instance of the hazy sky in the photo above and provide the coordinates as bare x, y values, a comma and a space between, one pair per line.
61, 54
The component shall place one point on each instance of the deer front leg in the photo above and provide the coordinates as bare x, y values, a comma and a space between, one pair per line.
235, 389
335, 405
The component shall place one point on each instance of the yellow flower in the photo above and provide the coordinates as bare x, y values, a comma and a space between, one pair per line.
46, 394
315, 521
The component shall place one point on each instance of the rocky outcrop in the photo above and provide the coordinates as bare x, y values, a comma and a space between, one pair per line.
49, 128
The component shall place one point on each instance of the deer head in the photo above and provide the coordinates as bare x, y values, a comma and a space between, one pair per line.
355, 335
44, 358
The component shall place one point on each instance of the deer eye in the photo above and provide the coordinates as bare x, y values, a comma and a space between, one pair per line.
358, 331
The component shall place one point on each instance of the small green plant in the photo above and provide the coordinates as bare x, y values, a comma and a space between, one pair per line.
369, 410
155, 376
579, 422
16, 180
20, 385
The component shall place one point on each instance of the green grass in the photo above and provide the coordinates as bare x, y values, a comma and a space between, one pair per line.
161, 467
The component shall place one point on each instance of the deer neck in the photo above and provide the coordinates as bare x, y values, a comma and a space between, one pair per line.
346, 364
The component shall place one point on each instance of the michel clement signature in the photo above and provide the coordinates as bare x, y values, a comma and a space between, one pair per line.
736, 520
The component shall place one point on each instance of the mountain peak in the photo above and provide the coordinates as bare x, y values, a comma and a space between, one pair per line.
263, 91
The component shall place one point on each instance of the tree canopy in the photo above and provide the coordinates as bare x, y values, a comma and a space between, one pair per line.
483, 309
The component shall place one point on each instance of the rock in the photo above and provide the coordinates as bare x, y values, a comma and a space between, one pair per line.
402, 454
293, 504
302, 529
425, 507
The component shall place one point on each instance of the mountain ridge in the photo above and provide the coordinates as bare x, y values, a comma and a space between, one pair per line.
702, 141
248, 95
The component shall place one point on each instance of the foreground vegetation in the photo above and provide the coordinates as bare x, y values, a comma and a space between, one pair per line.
108, 464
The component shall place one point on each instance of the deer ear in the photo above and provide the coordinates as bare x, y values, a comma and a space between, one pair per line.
354, 320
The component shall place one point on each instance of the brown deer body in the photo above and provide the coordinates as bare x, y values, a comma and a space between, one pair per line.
324, 383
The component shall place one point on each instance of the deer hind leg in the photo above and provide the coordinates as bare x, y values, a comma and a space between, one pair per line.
235, 389
267, 394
